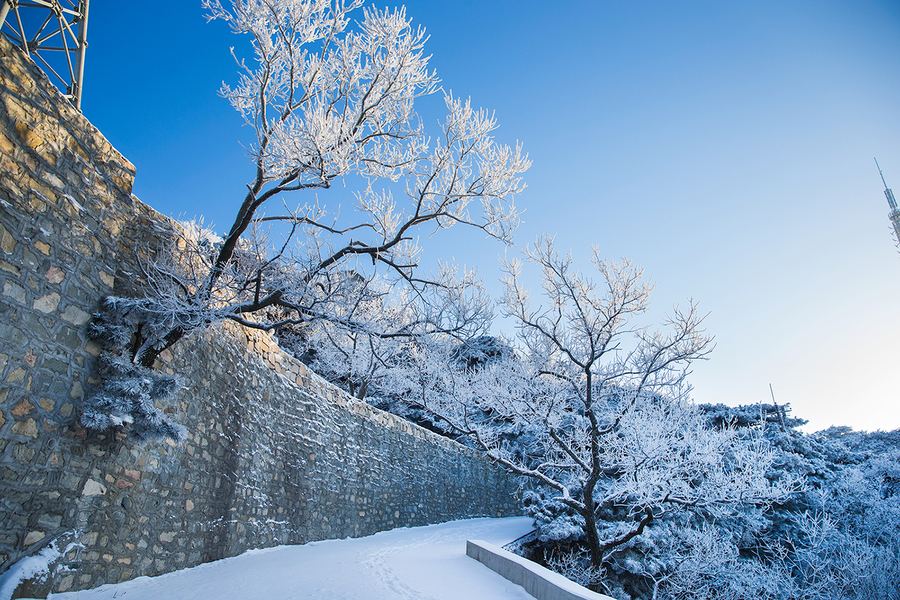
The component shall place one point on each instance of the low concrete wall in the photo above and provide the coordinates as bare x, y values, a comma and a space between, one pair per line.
541, 583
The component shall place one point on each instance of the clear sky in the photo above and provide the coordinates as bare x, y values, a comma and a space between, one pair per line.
724, 146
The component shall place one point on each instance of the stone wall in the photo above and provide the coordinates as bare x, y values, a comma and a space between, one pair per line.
274, 453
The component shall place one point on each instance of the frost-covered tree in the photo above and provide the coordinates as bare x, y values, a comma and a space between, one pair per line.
332, 98
329, 93
372, 324
616, 441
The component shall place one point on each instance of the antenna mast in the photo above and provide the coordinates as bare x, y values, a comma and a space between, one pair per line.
44, 29
894, 215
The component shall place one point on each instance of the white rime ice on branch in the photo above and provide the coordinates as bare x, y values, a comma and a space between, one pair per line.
329, 93
373, 329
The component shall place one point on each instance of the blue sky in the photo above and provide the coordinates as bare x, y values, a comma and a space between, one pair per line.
725, 147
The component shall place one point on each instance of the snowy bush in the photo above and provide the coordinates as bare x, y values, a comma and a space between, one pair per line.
836, 537
128, 392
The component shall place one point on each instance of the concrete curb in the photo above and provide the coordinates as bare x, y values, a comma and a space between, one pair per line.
541, 583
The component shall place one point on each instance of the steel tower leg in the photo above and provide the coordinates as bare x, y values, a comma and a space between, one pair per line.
78, 83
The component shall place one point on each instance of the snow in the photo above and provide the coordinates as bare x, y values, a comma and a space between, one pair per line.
74, 202
30, 566
422, 563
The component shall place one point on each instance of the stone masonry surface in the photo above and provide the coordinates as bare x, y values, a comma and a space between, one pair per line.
274, 454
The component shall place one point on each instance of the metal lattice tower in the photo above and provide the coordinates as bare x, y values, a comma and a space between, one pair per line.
54, 34
894, 215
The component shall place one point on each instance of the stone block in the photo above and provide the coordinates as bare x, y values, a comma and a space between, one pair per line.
50, 521
107, 279
14, 291
27, 135
93, 488
75, 315
65, 584
33, 537
6, 145
7, 241
22, 408
48, 303
55, 365
27, 428
55, 275
167, 536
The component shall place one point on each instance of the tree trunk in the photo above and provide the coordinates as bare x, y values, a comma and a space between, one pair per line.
151, 354
590, 529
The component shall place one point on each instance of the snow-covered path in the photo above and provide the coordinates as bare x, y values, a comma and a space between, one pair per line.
421, 563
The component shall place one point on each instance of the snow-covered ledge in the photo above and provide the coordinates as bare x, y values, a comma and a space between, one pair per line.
541, 583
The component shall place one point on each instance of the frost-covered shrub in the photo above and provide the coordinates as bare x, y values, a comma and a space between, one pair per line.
482, 351
838, 536
576, 566
128, 392
555, 523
